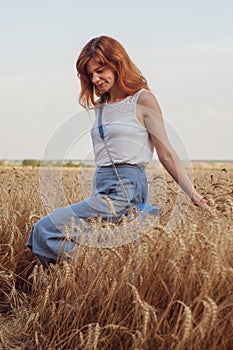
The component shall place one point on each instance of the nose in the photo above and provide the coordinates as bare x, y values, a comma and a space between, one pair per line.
95, 78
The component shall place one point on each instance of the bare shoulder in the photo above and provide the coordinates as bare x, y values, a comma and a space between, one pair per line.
148, 100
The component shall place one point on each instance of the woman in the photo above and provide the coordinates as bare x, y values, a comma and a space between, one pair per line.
129, 125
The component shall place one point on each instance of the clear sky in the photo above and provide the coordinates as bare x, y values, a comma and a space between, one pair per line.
184, 48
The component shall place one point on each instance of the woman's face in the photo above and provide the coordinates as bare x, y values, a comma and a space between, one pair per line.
101, 77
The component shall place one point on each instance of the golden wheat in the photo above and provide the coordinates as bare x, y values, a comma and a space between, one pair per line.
171, 288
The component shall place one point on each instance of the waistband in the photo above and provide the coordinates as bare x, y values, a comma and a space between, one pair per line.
122, 165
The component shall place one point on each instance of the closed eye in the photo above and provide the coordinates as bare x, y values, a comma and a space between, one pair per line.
100, 70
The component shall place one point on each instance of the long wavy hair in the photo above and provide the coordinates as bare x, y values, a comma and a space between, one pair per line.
110, 53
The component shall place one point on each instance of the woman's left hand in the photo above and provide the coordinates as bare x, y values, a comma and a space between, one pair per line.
201, 201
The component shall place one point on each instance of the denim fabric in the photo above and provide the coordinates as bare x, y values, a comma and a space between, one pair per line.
47, 235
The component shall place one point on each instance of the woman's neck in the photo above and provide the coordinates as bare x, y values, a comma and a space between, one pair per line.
116, 95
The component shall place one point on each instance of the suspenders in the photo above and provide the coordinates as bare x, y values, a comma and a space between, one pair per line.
142, 207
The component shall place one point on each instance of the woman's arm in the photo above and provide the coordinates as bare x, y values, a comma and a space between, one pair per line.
153, 120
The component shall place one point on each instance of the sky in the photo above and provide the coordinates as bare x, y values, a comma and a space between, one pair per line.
184, 49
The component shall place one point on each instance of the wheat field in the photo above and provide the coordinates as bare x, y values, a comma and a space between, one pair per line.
171, 289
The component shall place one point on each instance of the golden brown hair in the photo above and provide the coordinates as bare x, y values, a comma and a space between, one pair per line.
110, 53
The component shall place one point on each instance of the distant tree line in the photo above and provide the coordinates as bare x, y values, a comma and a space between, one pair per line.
30, 162
36, 163
44, 163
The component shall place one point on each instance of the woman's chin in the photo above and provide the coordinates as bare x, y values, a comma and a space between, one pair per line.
102, 91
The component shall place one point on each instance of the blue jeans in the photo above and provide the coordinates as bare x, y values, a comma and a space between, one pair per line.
47, 237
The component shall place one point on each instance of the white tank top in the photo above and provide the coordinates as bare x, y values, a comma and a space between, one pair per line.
127, 139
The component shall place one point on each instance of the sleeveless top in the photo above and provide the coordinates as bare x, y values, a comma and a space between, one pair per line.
127, 139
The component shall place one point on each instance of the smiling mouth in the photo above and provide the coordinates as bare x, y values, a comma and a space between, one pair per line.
101, 86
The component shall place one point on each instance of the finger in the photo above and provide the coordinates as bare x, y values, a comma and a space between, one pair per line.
212, 202
207, 201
